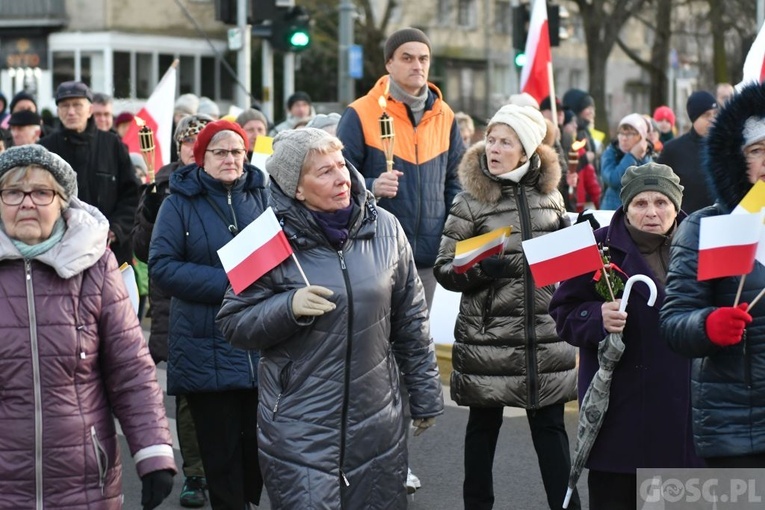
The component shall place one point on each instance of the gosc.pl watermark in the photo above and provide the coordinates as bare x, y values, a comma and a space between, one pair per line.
714, 489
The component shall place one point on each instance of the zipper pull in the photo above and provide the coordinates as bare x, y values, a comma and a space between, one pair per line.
342, 259
276, 405
345, 480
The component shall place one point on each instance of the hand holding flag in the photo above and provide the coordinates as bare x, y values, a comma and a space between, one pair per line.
469, 252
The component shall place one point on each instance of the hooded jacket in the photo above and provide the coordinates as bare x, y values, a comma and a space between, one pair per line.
330, 426
184, 263
506, 351
428, 154
727, 382
613, 164
73, 357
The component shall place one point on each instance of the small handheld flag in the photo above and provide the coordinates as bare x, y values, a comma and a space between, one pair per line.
728, 244
562, 254
471, 251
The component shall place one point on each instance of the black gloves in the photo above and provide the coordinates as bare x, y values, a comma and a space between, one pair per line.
157, 485
150, 202
496, 267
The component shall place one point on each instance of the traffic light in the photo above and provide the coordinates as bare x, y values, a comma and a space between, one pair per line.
519, 59
521, 18
291, 31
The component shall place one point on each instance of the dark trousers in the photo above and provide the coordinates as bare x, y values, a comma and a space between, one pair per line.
187, 438
612, 491
548, 432
226, 423
740, 461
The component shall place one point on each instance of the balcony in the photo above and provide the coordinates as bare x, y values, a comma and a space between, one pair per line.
32, 13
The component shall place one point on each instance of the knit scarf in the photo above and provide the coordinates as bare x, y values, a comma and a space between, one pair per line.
415, 103
654, 248
335, 224
31, 251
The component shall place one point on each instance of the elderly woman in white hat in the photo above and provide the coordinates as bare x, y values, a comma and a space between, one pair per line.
506, 352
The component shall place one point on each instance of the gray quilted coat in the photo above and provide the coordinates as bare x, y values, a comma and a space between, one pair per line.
330, 426
73, 357
506, 351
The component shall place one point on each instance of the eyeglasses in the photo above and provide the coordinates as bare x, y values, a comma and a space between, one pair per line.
756, 153
77, 106
223, 153
17, 196
627, 134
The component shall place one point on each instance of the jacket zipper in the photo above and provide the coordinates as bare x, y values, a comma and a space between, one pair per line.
528, 292
233, 213
100, 462
416, 235
347, 374
37, 384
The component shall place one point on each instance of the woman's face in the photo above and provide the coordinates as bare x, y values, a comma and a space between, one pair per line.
186, 150
504, 151
755, 161
254, 129
325, 184
224, 158
651, 211
28, 222
627, 137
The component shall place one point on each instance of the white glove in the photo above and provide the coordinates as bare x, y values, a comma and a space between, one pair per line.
422, 424
309, 301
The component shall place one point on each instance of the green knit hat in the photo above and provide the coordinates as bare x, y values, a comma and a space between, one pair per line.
651, 177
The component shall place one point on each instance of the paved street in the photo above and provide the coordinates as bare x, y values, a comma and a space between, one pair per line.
436, 457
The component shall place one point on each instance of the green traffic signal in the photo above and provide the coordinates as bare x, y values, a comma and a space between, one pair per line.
291, 30
520, 59
300, 39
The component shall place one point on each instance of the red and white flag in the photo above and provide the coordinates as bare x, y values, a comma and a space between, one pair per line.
562, 254
157, 113
728, 245
535, 76
469, 252
255, 251
754, 65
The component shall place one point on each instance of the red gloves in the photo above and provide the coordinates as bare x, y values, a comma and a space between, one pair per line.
725, 326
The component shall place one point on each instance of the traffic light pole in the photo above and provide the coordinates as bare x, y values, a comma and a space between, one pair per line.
243, 58
289, 74
267, 54
345, 83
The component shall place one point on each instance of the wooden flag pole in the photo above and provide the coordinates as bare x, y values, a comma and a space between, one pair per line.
740, 288
754, 301
300, 268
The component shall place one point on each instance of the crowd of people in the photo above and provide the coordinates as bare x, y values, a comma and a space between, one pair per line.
325, 365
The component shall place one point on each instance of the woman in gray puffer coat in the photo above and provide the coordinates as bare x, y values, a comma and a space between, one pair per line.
330, 418
506, 351
73, 356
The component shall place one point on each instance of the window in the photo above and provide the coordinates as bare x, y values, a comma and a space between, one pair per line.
208, 77
186, 74
143, 78
466, 15
444, 12
121, 74
503, 17
63, 67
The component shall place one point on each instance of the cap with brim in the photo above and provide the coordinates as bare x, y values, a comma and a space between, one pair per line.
73, 89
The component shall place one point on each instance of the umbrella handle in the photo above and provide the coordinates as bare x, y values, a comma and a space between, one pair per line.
567, 500
628, 288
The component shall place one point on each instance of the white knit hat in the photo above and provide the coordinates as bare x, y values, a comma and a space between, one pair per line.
754, 130
636, 121
527, 122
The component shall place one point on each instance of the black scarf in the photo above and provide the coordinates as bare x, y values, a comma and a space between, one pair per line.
335, 225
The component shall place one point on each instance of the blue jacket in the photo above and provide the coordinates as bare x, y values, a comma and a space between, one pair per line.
727, 383
613, 164
183, 261
427, 154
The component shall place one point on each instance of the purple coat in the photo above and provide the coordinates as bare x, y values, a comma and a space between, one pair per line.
648, 420
73, 357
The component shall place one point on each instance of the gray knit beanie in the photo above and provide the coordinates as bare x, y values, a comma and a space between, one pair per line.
290, 150
25, 155
651, 177
404, 36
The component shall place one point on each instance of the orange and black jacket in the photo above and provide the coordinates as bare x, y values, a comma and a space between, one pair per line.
427, 154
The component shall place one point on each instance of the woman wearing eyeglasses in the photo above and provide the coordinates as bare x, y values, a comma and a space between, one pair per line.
211, 202
73, 356
631, 147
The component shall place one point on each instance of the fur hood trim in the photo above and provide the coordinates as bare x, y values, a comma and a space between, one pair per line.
723, 157
544, 175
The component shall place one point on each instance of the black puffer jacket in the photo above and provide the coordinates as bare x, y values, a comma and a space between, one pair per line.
506, 350
330, 426
728, 383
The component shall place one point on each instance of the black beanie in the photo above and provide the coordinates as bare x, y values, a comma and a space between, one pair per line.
577, 100
18, 97
699, 103
404, 36
298, 96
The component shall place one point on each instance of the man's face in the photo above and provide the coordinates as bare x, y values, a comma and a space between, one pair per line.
25, 135
409, 66
704, 122
103, 115
300, 109
74, 113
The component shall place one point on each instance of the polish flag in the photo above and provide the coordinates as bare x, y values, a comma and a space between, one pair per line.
754, 65
562, 254
157, 113
255, 251
535, 75
728, 244
470, 252
754, 202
